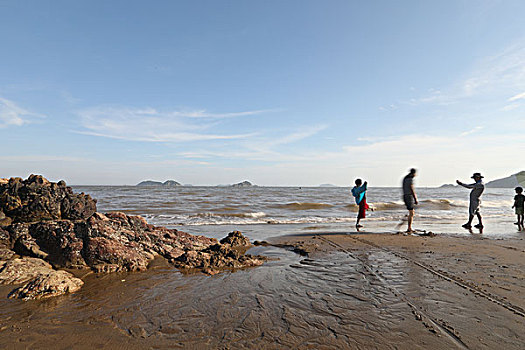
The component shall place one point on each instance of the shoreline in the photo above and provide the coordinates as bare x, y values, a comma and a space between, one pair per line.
345, 291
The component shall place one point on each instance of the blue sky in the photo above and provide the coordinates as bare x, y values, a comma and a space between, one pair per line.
275, 92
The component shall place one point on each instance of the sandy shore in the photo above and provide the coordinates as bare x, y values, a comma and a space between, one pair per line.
366, 291
468, 291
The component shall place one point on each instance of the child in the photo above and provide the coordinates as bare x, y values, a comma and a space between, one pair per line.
359, 192
519, 200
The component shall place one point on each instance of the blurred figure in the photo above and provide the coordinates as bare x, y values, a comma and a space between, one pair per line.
410, 198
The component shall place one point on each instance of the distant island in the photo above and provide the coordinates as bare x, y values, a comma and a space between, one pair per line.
327, 185
243, 184
447, 186
508, 182
167, 183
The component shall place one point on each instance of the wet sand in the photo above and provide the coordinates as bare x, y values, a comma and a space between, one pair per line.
366, 291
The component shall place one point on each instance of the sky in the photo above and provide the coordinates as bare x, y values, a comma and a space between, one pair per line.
290, 93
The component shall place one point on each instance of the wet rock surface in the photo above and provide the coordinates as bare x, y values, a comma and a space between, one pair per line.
216, 258
37, 199
46, 285
236, 239
52, 227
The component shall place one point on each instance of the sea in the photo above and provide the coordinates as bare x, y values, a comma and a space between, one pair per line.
264, 212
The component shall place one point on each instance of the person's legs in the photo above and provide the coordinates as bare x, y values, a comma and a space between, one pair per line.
361, 213
410, 219
480, 225
520, 220
469, 223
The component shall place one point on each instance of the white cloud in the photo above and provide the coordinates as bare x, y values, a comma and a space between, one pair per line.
511, 107
491, 78
504, 71
13, 115
262, 148
476, 129
205, 114
42, 158
151, 125
517, 97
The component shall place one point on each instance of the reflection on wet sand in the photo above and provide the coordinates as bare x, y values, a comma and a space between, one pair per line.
351, 297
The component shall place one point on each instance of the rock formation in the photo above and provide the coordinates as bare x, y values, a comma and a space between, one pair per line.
51, 227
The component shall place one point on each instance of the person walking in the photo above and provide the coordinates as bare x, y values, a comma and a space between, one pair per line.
477, 189
359, 192
410, 198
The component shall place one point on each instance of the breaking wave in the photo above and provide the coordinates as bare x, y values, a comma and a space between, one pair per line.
232, 215
304, 206
432, 204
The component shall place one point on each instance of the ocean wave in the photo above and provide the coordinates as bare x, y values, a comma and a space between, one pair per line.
260, 219
233, 215
431, 204
303, 206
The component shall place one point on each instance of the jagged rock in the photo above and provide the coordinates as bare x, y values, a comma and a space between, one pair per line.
22, 270
6, 254
236, 239
50, 284
39, 277
37, 199
216, 258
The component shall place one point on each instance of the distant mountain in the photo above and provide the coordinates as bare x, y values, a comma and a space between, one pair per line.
167, 183
327, 185
243, 184
508, 182
447, 186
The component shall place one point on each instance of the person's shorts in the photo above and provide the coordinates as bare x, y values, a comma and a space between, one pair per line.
409, 201
519, 210
473, 208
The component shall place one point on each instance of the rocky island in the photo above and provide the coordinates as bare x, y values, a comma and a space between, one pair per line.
167, 183
47, 232
243, 184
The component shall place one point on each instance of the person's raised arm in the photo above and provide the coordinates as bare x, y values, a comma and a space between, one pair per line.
465, 185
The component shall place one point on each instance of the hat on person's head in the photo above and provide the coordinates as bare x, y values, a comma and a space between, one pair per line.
476, 174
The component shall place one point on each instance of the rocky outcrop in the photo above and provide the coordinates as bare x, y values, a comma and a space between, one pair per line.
37, 199
216, 258
53, 228
236, 239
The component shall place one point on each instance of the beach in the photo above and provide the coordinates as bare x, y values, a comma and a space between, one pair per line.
352, 291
